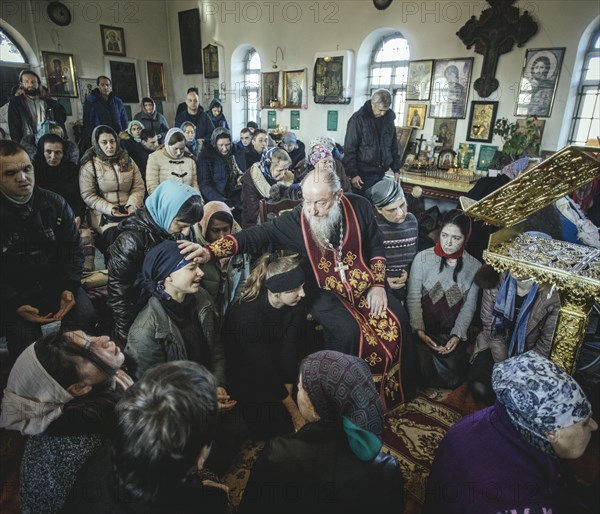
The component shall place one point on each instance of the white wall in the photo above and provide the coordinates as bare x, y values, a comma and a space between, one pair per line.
301, 28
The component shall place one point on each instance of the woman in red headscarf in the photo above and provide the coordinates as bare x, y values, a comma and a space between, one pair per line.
441, 302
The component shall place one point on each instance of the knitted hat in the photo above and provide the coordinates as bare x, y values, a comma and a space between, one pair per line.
341, 388
385, 192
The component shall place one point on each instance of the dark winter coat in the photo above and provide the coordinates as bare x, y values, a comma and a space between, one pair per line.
155, 121
96, 112
363, 151
41, 252
20, 121
314, 470
213, 173
208, 122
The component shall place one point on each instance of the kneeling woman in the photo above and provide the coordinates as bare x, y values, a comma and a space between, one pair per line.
262, 335
332, 464
441, 302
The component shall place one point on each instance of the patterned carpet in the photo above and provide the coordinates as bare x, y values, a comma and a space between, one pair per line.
413, 433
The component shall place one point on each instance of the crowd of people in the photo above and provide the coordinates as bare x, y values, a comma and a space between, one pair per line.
302, 331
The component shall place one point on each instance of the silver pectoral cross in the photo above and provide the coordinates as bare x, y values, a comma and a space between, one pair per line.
341, 269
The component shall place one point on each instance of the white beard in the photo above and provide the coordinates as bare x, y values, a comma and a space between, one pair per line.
323, 229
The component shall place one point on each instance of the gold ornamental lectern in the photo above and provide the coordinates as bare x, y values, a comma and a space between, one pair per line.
573, 269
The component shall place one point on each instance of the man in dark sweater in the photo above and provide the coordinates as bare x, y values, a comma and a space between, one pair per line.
260, 140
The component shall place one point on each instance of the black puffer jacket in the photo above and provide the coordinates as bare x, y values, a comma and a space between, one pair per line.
126, 295
363, 152
41, 251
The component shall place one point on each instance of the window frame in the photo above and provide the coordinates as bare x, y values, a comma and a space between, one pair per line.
248, 88
583, 90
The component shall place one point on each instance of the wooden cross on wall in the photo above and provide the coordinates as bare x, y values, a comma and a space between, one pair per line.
493, 34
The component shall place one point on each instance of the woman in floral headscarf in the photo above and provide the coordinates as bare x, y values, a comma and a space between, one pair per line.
171, 161
506, 458
257, 181
333, 463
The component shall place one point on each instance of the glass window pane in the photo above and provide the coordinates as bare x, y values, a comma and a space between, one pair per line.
395, 49
582, 130
588, 104
253, 79
593, 71
8, 50
254, 62
597, 45
401, 75
382, 75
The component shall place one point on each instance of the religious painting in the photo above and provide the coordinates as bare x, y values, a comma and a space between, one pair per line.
444, 130
466, 154
415, 115
86, 86
539, 79
156, 80
211, 62
124, 80
269, 90
446, 158
189, 39
450, 88
294, 88
113, 40
539, 125
328, 79
486, 155
403, 136
482, 121
418, 86
60, 74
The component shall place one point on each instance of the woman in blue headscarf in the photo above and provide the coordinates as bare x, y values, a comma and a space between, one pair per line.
257, 181
333, 463
168, 214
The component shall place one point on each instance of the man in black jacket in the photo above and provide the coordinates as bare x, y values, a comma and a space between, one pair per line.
371, 147
28, 110
42, 257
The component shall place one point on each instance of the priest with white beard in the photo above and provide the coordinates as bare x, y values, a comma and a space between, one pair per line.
344, 263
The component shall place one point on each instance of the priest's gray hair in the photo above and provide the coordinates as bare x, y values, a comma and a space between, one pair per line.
383, 97
326, 176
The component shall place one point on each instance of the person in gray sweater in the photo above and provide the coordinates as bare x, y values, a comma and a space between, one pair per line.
441, 302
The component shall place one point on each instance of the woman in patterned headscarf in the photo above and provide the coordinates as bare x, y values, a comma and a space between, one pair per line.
257, 181
506, 458
333, 463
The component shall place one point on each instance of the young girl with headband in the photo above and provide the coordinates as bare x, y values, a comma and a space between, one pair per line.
261, 334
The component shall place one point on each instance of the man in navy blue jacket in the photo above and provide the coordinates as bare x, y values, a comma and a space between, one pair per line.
102, 107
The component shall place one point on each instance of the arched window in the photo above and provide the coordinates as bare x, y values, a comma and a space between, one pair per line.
10, 51
12, 62
586, 118
251, 92
389, 69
